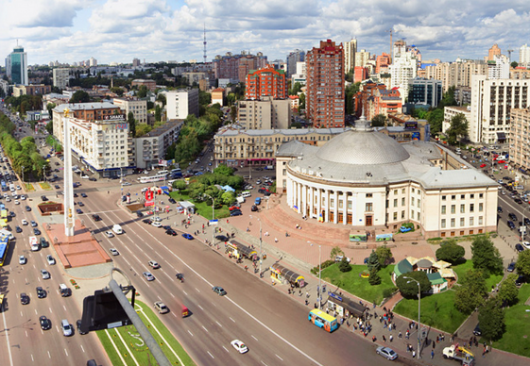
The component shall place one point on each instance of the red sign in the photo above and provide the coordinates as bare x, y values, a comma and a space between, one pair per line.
149, 195
149, 203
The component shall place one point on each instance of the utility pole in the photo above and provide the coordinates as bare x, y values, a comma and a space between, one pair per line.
419, 313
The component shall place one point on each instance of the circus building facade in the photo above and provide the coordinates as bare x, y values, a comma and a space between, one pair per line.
365, 179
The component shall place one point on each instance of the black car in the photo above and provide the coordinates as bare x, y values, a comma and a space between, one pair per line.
527, 221
139, 214
519, 247
45, 323
96, 217
147, 221
512, 216
36, 231
511, 267
254, 208
499, 209
79, 211
518, 201
92, 179
171, 200
78, 323
24, 299
84, 195
236, 213
28, 208
80, 203
76, 195
18, 229
171, 232
41, 293
519, 281
57, 186
221, 238
12, 214
477, 331
511, 225
44, 198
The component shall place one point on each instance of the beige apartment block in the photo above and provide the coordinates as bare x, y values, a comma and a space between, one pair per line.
264, 114
520, 138
456, 73
134, 105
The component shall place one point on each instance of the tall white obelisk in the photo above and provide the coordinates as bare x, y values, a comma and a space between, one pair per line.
69, 213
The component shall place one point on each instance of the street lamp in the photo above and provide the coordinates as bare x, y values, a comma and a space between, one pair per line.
260, 245
22, 174
419, 312
213, 213
319, 275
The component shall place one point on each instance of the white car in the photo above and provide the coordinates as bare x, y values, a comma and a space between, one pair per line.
239, 346
45, 274
156, 224
24, 222
161, 307
526, 244
17, 202
126, 184
22, 260
154, 264
114, 251
109, 234
23, 198
50, 259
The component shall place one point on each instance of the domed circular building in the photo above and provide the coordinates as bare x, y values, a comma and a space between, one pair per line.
366, 179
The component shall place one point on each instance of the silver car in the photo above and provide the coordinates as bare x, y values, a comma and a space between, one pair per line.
148, 276
45, 274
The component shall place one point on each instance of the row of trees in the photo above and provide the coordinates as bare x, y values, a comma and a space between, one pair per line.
25, 103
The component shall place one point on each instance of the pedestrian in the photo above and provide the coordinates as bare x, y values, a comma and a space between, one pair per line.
307, 294
324, 288
487, 349
433, 345
374, 339
390, 327
391, 338
400, 335
437, 339
306, 302
432, 354
374, 304
384, 338
483, 351
275, 240
407, 334
413, 354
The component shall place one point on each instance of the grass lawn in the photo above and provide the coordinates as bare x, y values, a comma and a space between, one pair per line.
461, 270
202, 208
517, 320
131, 346
29, 187
436, 310
45, 186
355, 284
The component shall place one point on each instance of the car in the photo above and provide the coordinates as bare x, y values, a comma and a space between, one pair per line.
526, 244
254, 208
187, 236
499, 209
232, 208
92, 179
36, 231
67, 328
17, 202
124, 184
527, 221
219, 290
154, 264
139, 214
44, 198
79, 211
76, 195
511, 225
22, 260
96, 217
80, 203
78, 325
511, 267
386, 352
18, 229
24, 222
222, 238
506, 178
24, 299
161, 307
156, 224
518, 201
50, 259
172, 200
114, 251
171, 232
33, 223
109, 234
519, 281
519, 247
512, 216
84, 195
23, 198
236, 213
57, 186
45, 274
45, 323
477, 330
147, 221
8, 199
41, 293
18, 188
148, 276
28, 208
239, 346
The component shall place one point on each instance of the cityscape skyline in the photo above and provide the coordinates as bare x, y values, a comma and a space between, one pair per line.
119, 30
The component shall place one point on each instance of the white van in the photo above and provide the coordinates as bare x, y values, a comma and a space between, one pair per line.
240, 199
64, 290
245, 194
117, 229
67, 328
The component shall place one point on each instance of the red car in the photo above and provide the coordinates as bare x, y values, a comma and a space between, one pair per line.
501, 162
234, 208
483, 165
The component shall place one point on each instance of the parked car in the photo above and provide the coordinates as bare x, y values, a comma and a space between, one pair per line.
96, 217
511, 225
519, 247
511, 267
386, 352
477, 330
171, 232
187, 236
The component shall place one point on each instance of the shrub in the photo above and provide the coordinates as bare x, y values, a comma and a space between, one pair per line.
374, 278
323, 265
344, 266
388, 292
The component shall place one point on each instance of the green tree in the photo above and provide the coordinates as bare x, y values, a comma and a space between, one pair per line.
49, 127
409, 288
132, 123
295, 89
448, 99
227, 198
344, 266
223, 169
373, 261
491, 319
117, 90
486, 255
180, 185
374, 278
142, 91
523, 263
458, 129
161, 97
335, 252
450, 251
158, 113
475, 282
142, 129
435, 118
466, 301
508, 291
514, 64
301, 101
384, 254
379, 120
80, 96
349, 93
50, 107
233, 112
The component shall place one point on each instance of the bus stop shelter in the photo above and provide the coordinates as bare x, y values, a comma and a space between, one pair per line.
282, 274
343, 306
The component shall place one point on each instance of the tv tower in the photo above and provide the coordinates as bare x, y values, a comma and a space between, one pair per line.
204, 42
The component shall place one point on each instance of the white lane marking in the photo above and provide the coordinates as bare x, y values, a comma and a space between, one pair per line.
278, 357
64, 308
185, 293
172, 294
190, 333
36, 311
49, 356
210, 354
125, 259
231, 319
263, 363
170, 277
51, 311
225, 349
254, 338
65, 351
219, 324
197, 289
200, 307
82, 349
21, 314
205, 329
32, 358
26, 333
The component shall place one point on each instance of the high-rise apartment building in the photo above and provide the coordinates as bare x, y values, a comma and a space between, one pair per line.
236, 67
292, 59
457, 73
266, 82
403, 69
361, 58
17, 66
499, 68
264, 114
491, 105
382, 63
301, 74
425, 91
524, 55
93, 62
180, 103
493, 51
519, 127
136, 62
61, 77
350, 49
325, 85
136, 106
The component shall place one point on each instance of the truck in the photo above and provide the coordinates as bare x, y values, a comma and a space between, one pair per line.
459, 353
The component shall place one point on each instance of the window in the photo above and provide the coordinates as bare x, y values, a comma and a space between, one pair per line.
369, 206
395, 192
480, 207
472, 207
443, 223
413, 190
443, 198
341, 203
453, 209
418, 216
349, 205
453, 197
462, 208
419, 203
368, 195
395, 202
481, 195
452, 222
402, 214
462, 196
471, 221
443, 210
403, 191
412, 201
332, 202
471, 196
403, 201
462, 222
480, 220
395, 216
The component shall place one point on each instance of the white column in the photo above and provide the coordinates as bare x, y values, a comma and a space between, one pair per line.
336, 209
69, 213
326, 203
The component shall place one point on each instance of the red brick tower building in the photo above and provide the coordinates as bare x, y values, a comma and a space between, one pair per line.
266, 82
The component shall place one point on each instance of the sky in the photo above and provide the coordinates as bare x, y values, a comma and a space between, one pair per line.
172, 30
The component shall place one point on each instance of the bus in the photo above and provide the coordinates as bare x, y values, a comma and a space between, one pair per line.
3, 215
4, 247
153, 178
323, 320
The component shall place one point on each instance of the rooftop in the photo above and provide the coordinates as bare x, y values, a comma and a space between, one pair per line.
84, 106
164, 128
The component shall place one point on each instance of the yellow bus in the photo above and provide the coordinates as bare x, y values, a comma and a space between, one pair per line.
3, 215
323, 320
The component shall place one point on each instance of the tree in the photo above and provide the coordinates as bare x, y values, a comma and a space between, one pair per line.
233, 112
435, 118
523, 263
80, 96
301, 101
514, 64
117, 90
450, 251
486, 255
227, 198
296, 89
50, 107
373, 261
161, 97
508, 291
379, 120
335, 252
448, 98
374, 278
384, 254
223, 169
475, 282
491, 319
142, 129
180, 185
409, 288
466, 301
158, 113
132, 123
49, 127
142, 91
458, 129
344, 266
349, 92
